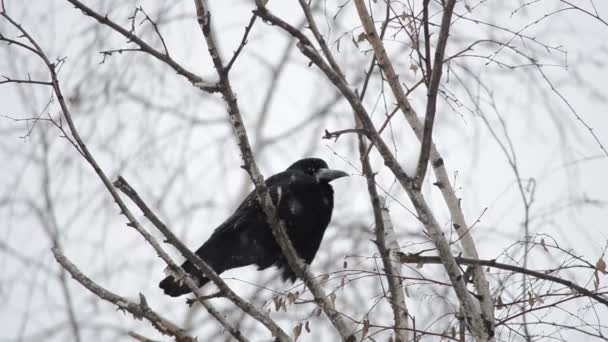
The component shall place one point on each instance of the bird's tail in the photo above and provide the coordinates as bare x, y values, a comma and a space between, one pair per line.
176, 288
220, 253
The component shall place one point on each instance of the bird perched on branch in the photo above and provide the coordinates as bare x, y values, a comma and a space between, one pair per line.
304, 201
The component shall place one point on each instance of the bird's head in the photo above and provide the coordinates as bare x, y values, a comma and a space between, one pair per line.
317, 168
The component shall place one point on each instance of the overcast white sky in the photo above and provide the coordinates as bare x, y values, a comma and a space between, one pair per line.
190, 171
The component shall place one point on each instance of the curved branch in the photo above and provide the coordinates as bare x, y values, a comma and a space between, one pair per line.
141, 310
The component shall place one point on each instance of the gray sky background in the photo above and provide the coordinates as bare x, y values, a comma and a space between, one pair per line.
139, 120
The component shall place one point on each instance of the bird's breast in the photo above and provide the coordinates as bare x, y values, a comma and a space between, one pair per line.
295, 206
326, 201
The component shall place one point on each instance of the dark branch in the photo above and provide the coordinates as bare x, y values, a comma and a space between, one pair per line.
433, 88
337, 134
419, 259
243, 43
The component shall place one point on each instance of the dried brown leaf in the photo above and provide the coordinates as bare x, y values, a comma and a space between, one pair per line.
361, 37
297, 330
365, 329
542, 243
531, 298
499, 303
600, 265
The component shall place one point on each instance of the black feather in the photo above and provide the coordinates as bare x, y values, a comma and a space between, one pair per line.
304, 201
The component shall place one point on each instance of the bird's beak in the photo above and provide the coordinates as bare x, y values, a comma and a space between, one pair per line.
329, 175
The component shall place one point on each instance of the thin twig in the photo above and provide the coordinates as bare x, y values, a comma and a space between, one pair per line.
337, 134
434, 76
572, 109
319, 37
242, 44
196, 80
12, 80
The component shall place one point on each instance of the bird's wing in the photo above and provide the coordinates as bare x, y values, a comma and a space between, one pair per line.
249, 214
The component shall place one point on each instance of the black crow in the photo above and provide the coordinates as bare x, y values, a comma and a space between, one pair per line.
304, 201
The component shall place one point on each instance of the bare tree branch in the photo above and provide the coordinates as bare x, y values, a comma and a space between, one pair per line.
132, 222
242, 44
425, 215
443, 181
196, 80
126, 188
419, 259
278, 230
139, 311
433, 85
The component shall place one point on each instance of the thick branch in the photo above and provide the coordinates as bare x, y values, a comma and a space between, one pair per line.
126, 188
443, 181
385, 236
308, 50
386, 241
425, 215
319, 37
278, 229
